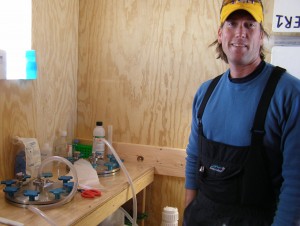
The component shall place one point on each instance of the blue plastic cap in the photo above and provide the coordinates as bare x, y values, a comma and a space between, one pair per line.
30, 54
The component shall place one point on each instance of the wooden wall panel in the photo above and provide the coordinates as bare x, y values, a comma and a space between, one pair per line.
41, 107
140, 64
56, 35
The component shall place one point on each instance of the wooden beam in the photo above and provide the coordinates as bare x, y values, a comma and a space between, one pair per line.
166, 161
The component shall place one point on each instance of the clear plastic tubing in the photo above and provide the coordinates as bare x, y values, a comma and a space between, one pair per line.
36, 209
126, 214
133, 221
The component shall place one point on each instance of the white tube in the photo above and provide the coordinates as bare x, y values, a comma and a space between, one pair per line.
126, 214
109, 137
129, 180
42, 214
10, 222
36, 209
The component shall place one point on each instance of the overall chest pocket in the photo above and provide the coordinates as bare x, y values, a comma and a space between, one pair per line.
221, 169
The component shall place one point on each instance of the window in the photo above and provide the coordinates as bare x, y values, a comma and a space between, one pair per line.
15, 39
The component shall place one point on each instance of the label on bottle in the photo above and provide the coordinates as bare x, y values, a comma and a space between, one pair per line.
98, 145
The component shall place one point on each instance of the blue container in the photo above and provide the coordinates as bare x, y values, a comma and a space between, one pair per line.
31, 66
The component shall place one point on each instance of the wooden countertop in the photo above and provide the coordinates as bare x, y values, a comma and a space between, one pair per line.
81, 211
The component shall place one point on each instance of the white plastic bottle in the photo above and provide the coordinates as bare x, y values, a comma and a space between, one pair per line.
61, 147
98, 145
170, 216
46, 152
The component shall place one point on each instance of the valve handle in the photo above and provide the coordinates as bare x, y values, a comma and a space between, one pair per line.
65, 179
110, 165
8, 183
31, 194
57, 192
10, 190
114, 160
69, 186
47, 174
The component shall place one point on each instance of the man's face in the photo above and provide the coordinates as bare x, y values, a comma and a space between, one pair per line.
241, 38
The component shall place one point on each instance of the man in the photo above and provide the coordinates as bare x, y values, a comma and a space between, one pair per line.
243, 156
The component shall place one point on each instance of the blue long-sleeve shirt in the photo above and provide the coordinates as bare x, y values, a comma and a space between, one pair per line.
228, 118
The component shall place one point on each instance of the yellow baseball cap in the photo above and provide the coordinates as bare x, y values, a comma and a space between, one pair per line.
255, 9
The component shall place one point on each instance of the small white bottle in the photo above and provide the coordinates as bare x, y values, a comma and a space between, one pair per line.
46, 152
170, 216
98, 144
61, 145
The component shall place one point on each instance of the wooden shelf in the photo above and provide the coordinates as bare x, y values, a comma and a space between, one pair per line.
81, 211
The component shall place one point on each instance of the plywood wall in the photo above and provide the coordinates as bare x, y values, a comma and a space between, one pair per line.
41, 107
140, 64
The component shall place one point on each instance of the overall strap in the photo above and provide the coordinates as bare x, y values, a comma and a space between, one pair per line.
258, 130
257, 168
207, 95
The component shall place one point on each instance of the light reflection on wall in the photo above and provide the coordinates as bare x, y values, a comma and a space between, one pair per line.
15, 33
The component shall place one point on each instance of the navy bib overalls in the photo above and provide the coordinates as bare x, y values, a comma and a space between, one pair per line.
235, 183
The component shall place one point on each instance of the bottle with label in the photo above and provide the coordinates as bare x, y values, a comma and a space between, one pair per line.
98, 144
62, 147
46, 152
